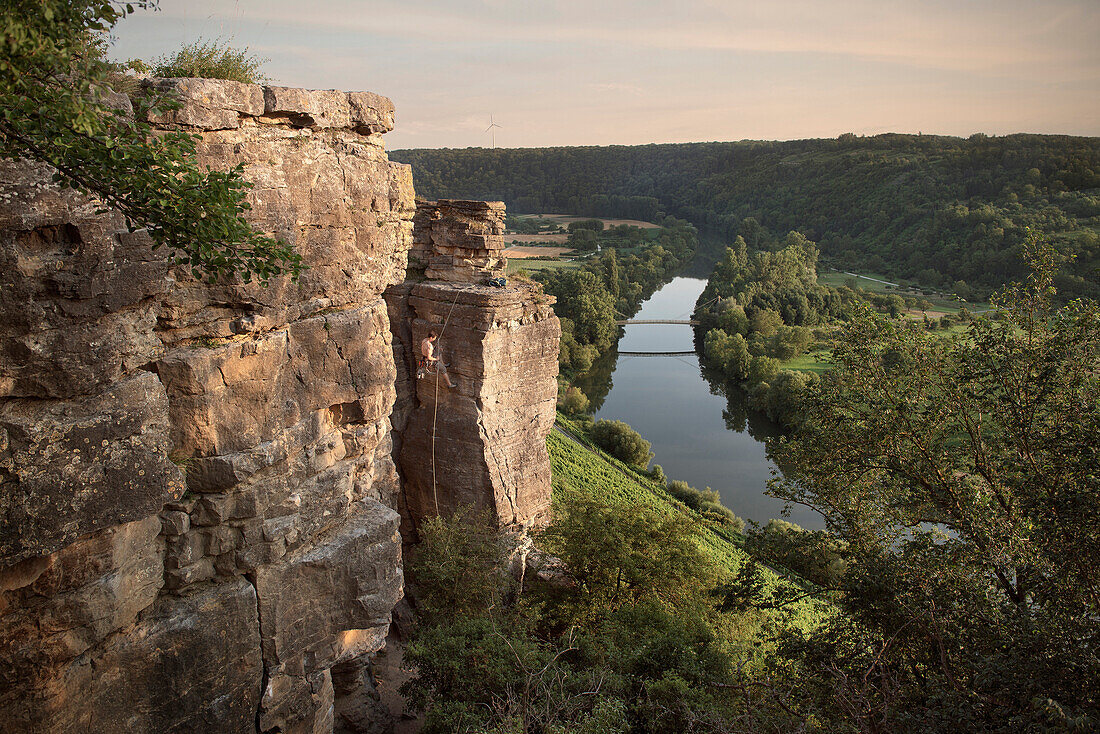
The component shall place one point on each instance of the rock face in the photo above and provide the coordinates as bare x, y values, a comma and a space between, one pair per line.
197, 487
199, 499
459, 241
482, 443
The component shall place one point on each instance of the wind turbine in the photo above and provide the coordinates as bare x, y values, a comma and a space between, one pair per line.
492, 125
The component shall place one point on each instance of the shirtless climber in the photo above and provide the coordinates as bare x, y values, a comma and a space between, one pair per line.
431, 362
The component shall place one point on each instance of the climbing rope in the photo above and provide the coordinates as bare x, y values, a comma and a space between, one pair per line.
435, 409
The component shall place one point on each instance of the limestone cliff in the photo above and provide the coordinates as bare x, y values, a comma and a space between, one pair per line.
198, 491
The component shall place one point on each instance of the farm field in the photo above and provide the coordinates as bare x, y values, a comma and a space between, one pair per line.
565, 219
547, 238
524, 252
941, 303
531, 265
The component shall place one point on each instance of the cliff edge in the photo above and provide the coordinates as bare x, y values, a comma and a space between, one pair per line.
198, 489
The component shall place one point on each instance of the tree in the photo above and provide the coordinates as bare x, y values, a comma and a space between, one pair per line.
962, 475
583, 239
584, 300
573, 401
57, 106
622, 442
609, 262
620, 554
459, 565
594, 225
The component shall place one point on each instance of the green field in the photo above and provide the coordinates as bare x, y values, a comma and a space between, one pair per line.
815, 361
530, 265
945, 303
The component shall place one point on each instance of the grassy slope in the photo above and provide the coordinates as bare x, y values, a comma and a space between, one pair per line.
587, 471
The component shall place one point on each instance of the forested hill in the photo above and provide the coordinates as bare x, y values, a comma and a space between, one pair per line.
947, 212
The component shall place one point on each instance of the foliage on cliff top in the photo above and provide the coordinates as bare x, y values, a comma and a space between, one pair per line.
215, 59
56, 106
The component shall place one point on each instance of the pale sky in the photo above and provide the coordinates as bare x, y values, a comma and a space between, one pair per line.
604, 72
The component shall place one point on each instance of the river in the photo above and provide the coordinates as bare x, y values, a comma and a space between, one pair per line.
698, 424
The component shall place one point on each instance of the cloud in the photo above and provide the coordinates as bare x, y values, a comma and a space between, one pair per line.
601, 71
981, 35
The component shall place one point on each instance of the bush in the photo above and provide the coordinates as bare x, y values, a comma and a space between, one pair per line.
658, 473
622, 442
707, 503
816, 555
724, 516
573, 401
458, 566
211, 60
691, 496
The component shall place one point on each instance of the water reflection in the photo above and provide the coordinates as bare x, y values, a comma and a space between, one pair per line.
737, 414
699, 424
597, 382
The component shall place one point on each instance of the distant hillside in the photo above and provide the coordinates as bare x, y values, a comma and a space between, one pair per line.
948, 212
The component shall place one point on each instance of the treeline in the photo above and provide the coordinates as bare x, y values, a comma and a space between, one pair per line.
590, 234
590, 296
946, 212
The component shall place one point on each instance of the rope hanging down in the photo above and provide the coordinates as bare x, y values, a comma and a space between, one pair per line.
435, 407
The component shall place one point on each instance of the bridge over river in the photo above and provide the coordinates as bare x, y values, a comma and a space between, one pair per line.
656, 354
634, 322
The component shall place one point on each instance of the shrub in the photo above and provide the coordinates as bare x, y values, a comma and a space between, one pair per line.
816, 555
211, 60
706, 502
690, 496
573, 401
458, 566
658, 473
724, 516
622, 442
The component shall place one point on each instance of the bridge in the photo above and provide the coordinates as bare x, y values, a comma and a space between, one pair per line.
656, 354
655, 321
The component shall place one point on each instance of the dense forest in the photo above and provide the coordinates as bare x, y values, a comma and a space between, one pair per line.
946, 212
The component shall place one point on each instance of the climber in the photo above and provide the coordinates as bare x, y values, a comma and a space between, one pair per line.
429, 362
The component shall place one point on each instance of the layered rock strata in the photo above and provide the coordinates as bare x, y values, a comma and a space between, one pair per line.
197, 487
483, 442
198, 490
458, 241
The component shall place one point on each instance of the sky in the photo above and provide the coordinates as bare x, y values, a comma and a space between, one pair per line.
629, 72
